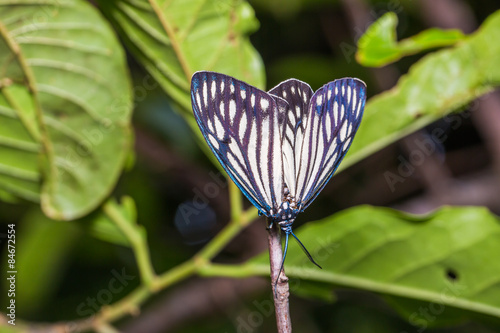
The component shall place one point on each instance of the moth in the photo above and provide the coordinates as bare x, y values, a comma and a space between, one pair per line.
280, 147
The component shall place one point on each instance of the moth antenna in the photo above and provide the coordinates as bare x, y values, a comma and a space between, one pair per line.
305, 250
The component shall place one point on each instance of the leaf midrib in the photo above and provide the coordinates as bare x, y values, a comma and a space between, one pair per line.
383, 287
31, 86
173, 40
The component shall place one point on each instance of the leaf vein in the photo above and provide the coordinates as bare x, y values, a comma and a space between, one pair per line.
53, 26
69, 67
55, 91
69, 44
19, 144
19, 173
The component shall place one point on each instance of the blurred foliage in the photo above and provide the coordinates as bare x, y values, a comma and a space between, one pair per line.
41, 274
102, 226
379, 46
166, 37
446, 81
65, 107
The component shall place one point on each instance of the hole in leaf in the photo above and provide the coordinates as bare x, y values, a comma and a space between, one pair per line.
451, 274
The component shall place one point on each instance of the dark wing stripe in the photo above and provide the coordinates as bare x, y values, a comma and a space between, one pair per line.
241, 125
334, 115
211, 126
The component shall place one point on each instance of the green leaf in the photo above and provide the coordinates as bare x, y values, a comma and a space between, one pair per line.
19, 132
9, 328
6, 196
43, 248
102, 227
313, 289
435, 86
173, 39
392, 253
65, 105
379, 47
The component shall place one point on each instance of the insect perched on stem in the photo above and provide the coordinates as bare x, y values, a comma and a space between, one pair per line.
280, 147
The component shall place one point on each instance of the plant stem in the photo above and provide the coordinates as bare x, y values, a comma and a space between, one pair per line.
235, 201
239, 220
234, 271
106, 328
176, 274
281, 288
151, 283
138, 241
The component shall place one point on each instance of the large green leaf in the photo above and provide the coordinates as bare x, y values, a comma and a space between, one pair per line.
379, 46
447, 257
65, 105
175, 38
436, 85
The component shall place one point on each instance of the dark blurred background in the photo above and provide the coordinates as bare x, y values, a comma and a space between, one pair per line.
314, 41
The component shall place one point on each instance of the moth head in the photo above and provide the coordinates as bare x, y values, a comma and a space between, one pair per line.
286, 212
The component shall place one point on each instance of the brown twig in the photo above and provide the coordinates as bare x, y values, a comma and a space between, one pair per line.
477, 189
457, 14
433, 174
448, 14
281, 288
486, 118
200, 298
